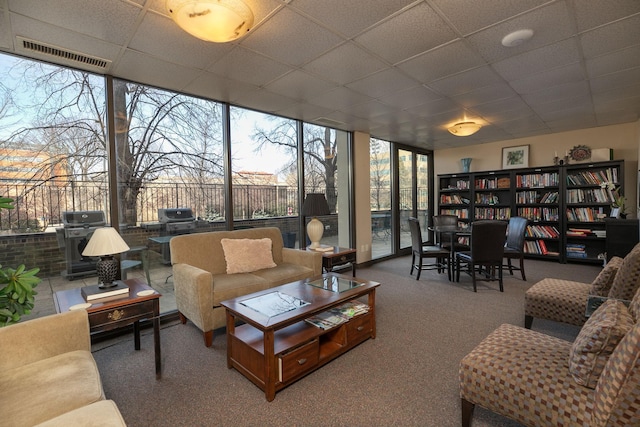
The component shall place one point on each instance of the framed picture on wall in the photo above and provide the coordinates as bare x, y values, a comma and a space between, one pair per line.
515, 157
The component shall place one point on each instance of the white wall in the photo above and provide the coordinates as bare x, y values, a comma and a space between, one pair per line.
624, 139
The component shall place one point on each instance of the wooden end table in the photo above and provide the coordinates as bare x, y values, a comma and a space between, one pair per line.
116, 313
336, 257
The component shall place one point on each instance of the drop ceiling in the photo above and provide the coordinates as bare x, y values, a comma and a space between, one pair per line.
401, 70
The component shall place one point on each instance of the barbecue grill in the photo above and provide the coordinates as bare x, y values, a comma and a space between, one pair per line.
78, 226
174, 221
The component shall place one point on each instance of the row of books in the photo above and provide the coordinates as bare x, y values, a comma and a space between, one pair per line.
586, 232
542, 231
483, 184
459, 185
585, 214
538, 247
487, 199
523, 197
493, 213
338, 315
596, 177
549, 179
446, 199
539, 214
592, 195
460, 213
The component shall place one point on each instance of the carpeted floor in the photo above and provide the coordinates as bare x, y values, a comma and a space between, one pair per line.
407, 376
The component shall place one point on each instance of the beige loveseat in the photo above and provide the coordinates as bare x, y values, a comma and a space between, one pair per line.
200, 274
48, 376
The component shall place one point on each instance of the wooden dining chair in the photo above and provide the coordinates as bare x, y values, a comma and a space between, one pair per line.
514, 246
419, 251
446, 240
487, 252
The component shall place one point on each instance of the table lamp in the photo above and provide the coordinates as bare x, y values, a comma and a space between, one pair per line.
105, 242
315, 205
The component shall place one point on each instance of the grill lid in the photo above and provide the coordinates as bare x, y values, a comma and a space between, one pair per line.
175, 215
83, 219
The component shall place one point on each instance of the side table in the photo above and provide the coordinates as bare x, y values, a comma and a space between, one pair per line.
338, 256
117, 313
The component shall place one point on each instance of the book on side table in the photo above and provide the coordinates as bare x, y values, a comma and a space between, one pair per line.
94, 292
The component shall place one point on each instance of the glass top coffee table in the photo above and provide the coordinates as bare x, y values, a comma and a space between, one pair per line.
281, 340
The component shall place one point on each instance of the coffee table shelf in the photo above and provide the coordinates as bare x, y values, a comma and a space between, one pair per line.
273, 352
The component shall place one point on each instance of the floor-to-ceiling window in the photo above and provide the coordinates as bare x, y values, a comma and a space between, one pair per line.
381, 198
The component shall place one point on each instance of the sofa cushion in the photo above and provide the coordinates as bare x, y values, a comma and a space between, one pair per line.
634, 306
602, 284
42, 390
227, 286
627, 279
284, 273
247, 255
104, 413
617, 395
597, 340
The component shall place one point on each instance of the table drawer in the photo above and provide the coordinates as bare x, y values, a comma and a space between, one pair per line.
123, 313
299, 360
359, 327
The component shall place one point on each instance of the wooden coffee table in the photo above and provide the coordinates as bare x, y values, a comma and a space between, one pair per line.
117, 313
275, 350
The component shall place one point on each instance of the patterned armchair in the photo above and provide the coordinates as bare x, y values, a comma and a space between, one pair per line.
566, 301
540, 380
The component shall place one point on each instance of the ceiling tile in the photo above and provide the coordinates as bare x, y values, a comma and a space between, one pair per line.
470, 16
349, 17
552, 77
484, 94
209, 85
382, 83
263, 100
614, 62
432, 108
241, 64
345, 64
339, 98
290, 38
612, 37
623, 79
550, 24
538, 60
466, 81
414, 31
112, 21
409, 98
438, 63
299, 86
591, 14
556, 93
6, 40
369, 110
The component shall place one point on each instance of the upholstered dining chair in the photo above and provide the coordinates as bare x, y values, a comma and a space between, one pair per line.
487, 250
514, 246
419, 251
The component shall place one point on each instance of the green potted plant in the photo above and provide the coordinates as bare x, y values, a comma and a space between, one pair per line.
16, 286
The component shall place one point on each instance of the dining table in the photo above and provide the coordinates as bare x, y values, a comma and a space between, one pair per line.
454, 232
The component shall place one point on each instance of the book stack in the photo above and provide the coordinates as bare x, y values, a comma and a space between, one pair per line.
97, 294
575, 250
338, 315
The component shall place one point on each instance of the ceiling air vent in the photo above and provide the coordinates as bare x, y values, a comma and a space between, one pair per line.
61, 55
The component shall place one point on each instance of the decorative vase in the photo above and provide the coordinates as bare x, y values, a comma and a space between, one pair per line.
466, 164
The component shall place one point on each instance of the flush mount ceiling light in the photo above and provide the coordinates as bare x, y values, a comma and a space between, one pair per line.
464, 128
516, 38
217, 21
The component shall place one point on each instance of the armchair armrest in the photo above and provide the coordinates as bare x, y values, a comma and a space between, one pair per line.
44, 337
312, 260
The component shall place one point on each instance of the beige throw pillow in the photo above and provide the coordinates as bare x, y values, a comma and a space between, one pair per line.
247, 255
596, 341
602, 284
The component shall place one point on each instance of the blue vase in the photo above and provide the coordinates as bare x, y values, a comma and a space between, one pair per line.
466, 164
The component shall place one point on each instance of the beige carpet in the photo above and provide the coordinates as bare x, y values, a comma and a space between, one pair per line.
407, 376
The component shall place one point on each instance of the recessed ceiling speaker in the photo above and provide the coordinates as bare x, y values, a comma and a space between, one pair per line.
516, 38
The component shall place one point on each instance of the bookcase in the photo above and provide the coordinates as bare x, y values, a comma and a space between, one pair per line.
566, 205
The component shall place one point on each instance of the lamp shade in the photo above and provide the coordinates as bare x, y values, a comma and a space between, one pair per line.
315, 204
105, 241
464, 128
212, 20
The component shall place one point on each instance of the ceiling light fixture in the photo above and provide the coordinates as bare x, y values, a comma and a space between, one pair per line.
516, 38
217, 21
464, 128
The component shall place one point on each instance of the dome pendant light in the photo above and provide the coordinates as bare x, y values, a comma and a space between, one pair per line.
217, 21
464, 128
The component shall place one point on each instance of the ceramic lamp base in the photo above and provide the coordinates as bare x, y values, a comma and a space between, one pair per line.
107, 269
315, 230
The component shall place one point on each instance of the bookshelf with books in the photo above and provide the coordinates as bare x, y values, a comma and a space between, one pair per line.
537, 198
492, 195
588, 200
566, 205
455, 195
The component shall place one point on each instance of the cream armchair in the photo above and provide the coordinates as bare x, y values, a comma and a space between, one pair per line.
200, 274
